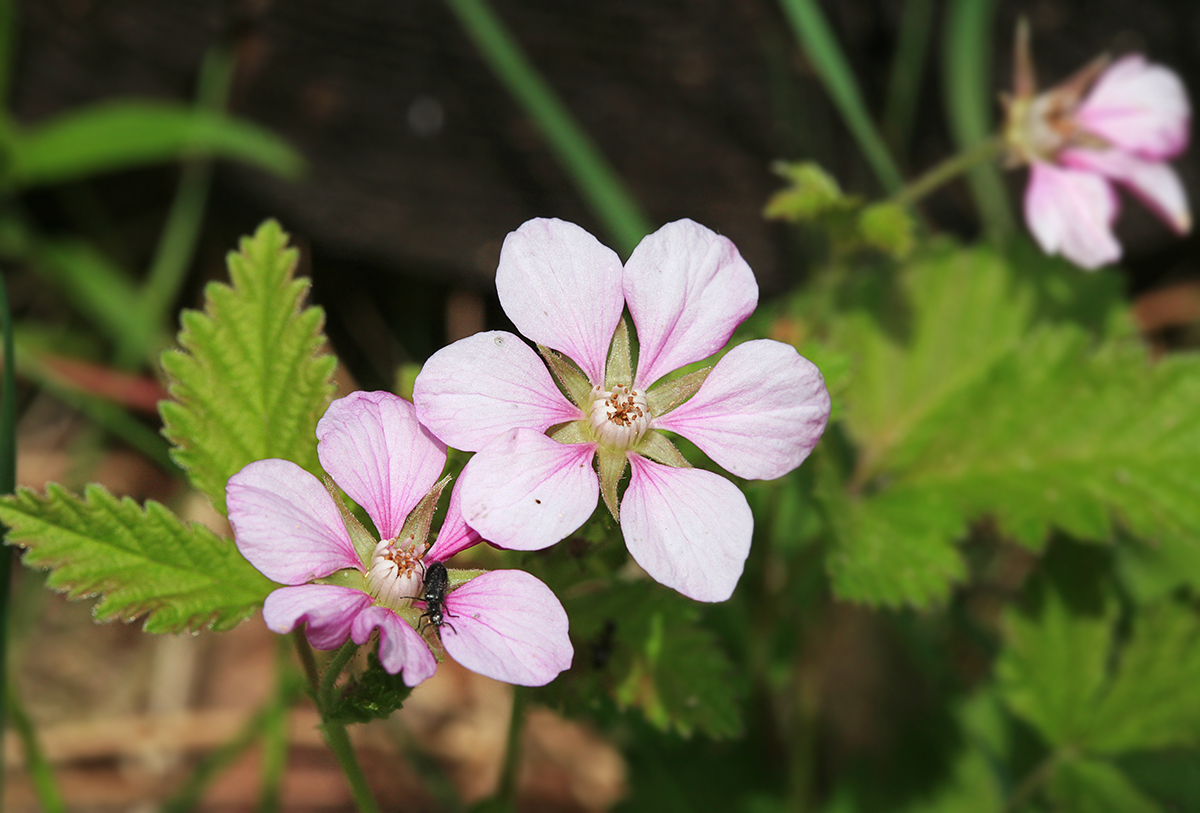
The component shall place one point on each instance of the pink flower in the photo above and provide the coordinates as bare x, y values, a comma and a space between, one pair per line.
505, 624
1117, 123
758, 412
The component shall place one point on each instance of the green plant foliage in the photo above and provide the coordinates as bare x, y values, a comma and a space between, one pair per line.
144, 561
1096, 786
251, 381
117, 135
645, 647
371, 695
974, 395
888, 227
1093, 686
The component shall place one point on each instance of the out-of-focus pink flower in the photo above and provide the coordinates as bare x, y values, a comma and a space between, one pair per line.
758, 412
1110, 123
505, 624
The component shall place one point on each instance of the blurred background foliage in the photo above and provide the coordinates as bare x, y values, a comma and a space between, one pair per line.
926, 622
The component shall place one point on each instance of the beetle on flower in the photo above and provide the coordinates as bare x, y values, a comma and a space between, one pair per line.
757, 413
343, 584
1109, 123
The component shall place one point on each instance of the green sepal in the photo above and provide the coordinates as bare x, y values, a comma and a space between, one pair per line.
665, 397
572, 432
658, 448
612, 468
573, 382
460, 576
619, 368
416, 525
372, 695
364, 541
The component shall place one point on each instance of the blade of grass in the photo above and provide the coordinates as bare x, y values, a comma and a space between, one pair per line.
45, 788
8, 484
812, 29
968, 96
575, 150
177, 243
907, 68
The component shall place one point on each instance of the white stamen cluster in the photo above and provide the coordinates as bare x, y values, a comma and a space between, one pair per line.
396, 573
620, 417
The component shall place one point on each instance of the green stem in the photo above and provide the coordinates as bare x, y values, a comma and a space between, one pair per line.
335, 733
507, 792
44, 786
308, 661
8, 482
575, 150
949, 169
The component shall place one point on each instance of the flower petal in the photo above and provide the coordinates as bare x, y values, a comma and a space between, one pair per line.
1071, 212
401, 648
286, 524
480, 387
689, 529
455, 535
1139, 107
509, 626
1153, 182
525, 491
759, 413
372, 446
562, 288
328, 610
687, 289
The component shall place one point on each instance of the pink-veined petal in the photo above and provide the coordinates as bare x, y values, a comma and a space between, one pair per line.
1139, 107
484, 385
1071, 213
524, 491
455, 535
286, 524
401, 649
508, 626
328, 610
687, 288
689, 529
372, 445
562, 288
759, 413
1154, 183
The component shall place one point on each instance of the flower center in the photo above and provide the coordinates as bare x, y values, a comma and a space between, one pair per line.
620, 417
394, 577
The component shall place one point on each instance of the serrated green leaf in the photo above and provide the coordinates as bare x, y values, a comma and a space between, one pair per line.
645, 647
894, 549
1096, 786
975, 392
120, 134
1154, 700
1054, 667
251, 381
143, 561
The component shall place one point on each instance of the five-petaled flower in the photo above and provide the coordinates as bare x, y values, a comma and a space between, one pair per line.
1118, 122
505, 624
758, 412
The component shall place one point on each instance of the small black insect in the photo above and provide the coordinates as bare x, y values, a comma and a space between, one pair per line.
436, 583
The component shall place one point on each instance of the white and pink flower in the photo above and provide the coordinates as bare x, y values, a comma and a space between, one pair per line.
1110, 123
505, 624
758, 412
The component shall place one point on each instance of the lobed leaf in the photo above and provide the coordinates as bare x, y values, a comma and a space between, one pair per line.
251, 381
142, 561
